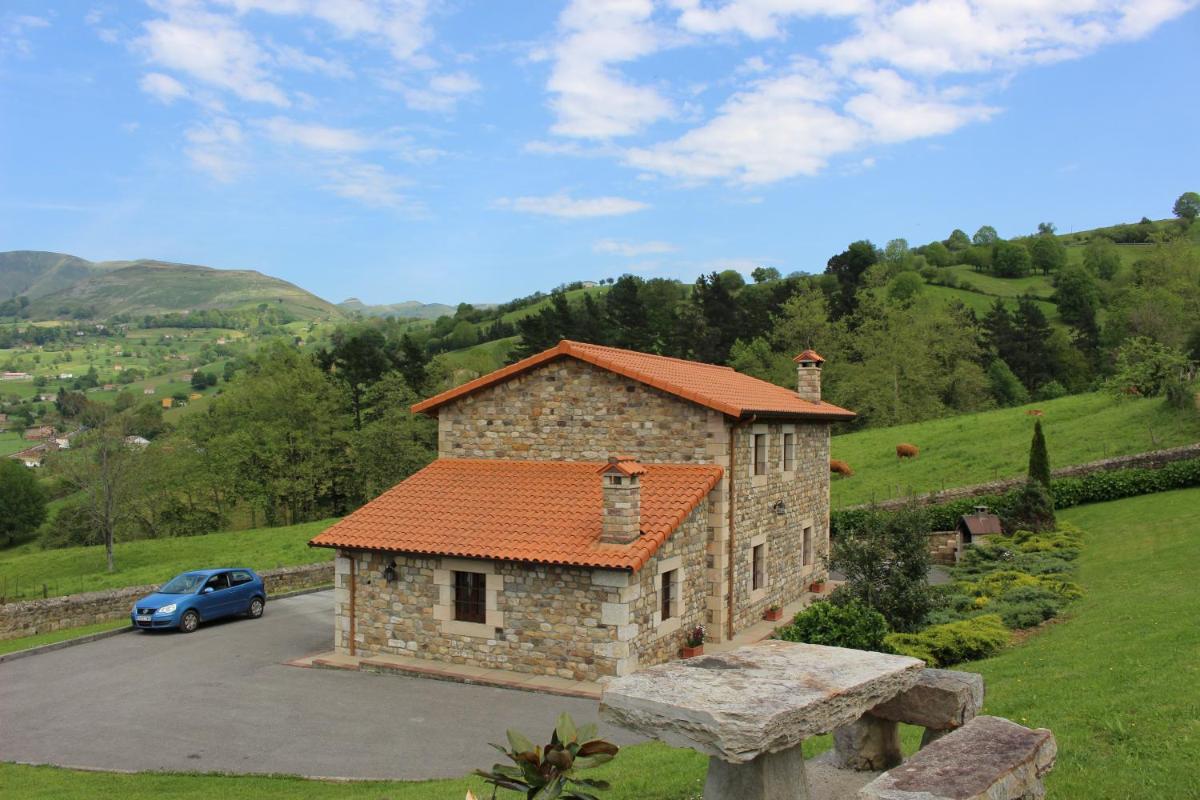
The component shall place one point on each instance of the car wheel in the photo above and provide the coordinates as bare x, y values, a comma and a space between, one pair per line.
189, 621
256, 608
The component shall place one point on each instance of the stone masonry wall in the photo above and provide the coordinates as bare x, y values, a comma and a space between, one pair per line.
568, 622
804, 493
570, 410
32, 617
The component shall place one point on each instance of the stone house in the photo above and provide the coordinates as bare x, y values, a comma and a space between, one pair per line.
588, 507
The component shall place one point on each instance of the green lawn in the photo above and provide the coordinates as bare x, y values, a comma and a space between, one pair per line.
26, 642
11, 442
974, 448
1117, 683
1036, 285
24, 569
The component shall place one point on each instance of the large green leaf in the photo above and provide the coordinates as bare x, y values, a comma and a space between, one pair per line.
565, 729
517, 742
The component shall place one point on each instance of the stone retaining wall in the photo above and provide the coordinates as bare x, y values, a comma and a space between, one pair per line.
1154, 459
943, 547
32, 617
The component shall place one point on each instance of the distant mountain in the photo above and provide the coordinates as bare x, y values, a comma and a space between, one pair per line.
58, 285
413, 309
35, 273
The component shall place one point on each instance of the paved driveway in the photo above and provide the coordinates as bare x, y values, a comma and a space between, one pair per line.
222, 700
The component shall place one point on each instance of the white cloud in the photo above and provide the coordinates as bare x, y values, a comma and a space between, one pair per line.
14, 33
757, 19
905, 71
162, 87
400, 25
589, 96
210, 48
778, 128
934, 37
217, 148
563, 205
896, 110
290, 57
369, 184
632, 249
313, 137
442, 93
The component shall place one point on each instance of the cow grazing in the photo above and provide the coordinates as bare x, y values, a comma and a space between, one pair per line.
840, 468
907, 451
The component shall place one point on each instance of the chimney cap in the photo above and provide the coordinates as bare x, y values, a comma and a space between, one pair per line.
624, 464
809, 355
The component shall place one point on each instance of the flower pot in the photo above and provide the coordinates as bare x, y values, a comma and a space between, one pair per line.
773, 614
817, 587
688, 652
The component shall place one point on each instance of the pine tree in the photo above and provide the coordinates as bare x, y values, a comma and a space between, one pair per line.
1039, 460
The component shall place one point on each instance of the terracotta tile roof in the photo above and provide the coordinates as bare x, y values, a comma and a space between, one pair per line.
809, 355
626, 465
540, 511
709, 385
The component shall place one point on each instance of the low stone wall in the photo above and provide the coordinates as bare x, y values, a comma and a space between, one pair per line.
32, 617
943, 547
1155, 459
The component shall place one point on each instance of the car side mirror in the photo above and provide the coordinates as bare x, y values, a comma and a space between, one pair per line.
206, 590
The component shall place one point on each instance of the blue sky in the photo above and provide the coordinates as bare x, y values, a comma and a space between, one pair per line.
447, 151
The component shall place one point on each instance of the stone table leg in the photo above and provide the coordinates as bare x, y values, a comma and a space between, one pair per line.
868, 743
771, 776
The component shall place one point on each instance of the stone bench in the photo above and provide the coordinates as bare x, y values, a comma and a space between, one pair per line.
989, 758
750, 709
942, 700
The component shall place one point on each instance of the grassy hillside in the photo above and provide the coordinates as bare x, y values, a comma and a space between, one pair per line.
154, 287
35, 273
24, 569
974, 448
1117, 683
409, 309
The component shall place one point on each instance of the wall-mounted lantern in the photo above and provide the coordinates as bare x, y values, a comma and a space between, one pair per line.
779, 508
389, 572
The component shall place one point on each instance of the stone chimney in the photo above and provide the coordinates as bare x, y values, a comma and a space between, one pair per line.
808, 375
622, 500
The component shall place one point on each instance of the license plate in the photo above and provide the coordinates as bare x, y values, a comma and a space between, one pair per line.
143, 617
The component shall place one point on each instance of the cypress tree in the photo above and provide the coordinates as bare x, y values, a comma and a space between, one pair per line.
1039, 461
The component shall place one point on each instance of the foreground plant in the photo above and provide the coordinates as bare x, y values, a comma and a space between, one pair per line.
547, 773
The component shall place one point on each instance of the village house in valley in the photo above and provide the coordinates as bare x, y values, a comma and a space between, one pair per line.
588, 507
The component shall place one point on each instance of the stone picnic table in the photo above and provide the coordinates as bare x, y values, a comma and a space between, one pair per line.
750, 709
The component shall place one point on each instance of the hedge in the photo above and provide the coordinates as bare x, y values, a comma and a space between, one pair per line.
1095, 488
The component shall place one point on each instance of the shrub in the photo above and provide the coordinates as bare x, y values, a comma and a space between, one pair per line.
1030, 507
953, 642
1023, 615
885, 558
851, 625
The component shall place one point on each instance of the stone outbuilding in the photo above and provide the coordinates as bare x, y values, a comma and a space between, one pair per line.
588, 507
979, 523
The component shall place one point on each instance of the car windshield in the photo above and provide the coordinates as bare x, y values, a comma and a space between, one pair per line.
183, 584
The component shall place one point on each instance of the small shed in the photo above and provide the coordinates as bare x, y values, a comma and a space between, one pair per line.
980, 522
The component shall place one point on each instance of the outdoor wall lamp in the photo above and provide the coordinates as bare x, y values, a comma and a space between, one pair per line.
780, 508
389, 572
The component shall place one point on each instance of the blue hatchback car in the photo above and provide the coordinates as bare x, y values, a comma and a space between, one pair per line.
201, 596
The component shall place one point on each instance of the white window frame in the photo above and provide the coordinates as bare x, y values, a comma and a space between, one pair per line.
443, 610
761, 592
663, 627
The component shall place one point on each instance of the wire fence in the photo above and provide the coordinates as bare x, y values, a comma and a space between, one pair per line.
14, 588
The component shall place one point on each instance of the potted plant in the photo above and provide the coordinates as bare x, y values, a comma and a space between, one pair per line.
816, 587
774, 613
694, 643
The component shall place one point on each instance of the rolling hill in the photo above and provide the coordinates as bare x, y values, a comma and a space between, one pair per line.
409, 309
58, 285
